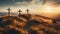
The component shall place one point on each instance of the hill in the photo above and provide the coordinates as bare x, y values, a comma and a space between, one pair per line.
28, 24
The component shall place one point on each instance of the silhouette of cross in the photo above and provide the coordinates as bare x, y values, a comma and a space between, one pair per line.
27, 11
19, 12
9, 11
44, 1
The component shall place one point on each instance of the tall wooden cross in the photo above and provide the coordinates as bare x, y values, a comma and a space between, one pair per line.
27, 11
9, 11
19, 12
44, 1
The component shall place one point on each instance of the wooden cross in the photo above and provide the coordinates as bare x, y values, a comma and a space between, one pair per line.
27, 11
44, 1
19, 12
9, 11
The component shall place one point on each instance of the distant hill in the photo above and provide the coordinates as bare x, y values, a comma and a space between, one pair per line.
58, 18
28, 24
5, 13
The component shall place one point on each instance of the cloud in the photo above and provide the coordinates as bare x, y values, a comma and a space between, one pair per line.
55, 1
24, 3
22, 0
28, 2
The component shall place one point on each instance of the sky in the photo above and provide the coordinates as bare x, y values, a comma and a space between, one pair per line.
49, 8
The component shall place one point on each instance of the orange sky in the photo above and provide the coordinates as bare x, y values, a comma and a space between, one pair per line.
49, 9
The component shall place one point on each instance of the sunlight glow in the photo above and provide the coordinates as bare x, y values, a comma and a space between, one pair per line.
48, 8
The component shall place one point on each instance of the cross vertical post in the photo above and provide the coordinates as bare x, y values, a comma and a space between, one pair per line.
44, 1
27, 11
19, 12
9, 11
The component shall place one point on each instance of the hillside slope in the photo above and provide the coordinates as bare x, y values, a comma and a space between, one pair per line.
28, 24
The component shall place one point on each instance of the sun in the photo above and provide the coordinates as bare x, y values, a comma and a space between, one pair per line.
47, 8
